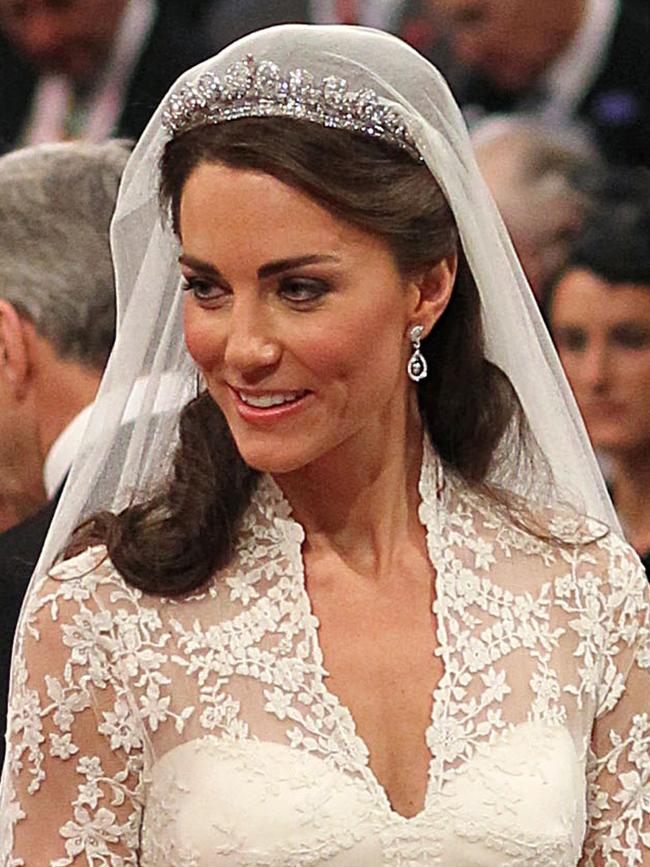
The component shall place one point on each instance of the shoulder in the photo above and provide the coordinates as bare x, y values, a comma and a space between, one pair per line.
21, 544
87, 582
19, 551
617, 572
92, 567
634, 15
176, 27
603, 592
554, 545
174, 45
17, 84
601, 555
81, 618
628, 42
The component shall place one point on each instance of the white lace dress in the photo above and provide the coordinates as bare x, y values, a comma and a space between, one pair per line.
201, 733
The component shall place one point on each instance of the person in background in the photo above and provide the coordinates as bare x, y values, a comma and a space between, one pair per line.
415, 21
564, 60
599, 314
89, 68
535, 176
57, 324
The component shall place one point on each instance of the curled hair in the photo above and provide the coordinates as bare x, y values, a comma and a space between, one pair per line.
174, 543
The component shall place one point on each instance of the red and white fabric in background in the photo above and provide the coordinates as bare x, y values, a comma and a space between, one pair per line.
58, 114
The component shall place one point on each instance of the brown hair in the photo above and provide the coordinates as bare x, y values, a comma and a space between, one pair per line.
175, 542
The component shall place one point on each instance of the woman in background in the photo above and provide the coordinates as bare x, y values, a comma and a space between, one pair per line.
599, 312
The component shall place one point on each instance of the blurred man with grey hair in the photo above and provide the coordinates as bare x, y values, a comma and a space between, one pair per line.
57, 324
584, 61
535, 175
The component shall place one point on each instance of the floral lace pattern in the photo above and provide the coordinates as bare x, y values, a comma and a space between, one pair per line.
201, 732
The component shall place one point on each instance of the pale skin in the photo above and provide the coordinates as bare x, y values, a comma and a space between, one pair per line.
40, 393
285, 299
541, 213
513, 42
72, 37
602, 331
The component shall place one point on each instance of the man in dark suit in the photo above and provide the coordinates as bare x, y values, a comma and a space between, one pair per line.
19, 550
90, 68
565, 61
57, 323
414, 20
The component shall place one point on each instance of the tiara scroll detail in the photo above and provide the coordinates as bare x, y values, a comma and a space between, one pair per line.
252, 89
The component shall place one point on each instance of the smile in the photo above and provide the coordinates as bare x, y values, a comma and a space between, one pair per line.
265, 401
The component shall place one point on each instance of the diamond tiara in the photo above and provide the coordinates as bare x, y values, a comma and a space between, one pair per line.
251, 89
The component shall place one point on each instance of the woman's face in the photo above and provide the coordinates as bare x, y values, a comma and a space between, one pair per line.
298, 321
602, 332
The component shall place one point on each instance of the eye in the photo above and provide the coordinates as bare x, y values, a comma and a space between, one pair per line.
630, 336
469, 16
203, 290
302, 290
571, 339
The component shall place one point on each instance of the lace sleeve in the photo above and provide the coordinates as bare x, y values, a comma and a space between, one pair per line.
618, 766
71, 786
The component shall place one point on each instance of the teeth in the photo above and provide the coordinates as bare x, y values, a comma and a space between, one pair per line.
264, 401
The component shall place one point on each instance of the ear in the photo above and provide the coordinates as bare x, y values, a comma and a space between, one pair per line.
14, 350
431, 292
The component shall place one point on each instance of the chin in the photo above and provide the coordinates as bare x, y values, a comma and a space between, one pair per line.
274, 459
514, 79
614, 442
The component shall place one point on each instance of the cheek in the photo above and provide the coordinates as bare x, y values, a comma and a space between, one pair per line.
203, 337
633, 384
634, 369
352, 351
570, 362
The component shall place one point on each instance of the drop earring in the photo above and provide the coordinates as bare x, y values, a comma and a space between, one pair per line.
417, 366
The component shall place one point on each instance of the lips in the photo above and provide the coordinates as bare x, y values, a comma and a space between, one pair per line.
268, 407
269, 399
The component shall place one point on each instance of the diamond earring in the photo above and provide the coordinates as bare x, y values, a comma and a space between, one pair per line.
417, 366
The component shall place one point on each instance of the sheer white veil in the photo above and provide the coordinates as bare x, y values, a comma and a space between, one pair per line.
132, 430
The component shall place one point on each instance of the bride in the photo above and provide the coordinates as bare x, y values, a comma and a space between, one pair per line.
337, 602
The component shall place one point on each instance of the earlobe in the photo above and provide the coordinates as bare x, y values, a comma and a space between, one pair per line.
14, 352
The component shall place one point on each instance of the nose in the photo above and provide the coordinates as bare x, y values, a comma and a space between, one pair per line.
595, 368
39, 35
253, 348
469, 46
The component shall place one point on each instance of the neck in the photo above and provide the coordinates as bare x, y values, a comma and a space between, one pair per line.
566, 17
360, 500
21, 465
60, 413
62, 388
631, 486
23, 494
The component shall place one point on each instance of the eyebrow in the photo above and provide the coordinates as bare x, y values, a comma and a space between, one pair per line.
268, 270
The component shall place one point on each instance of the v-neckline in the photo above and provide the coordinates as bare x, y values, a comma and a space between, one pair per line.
429, 485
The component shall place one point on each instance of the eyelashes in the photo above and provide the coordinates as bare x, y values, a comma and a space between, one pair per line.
298, 292
303, 290
201, 289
